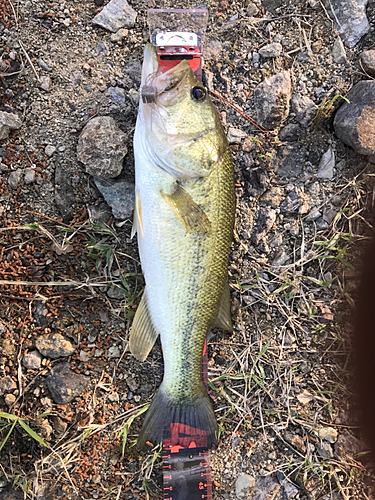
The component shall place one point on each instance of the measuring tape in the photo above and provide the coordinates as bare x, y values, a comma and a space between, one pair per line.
186, 467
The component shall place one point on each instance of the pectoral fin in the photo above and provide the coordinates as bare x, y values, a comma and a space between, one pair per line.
190, 214
143, 333
223, 319
137, 217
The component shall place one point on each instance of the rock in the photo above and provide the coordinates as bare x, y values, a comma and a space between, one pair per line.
101, 48
64, 193
32, 360
271, 100
133, 69
266, 487
304, 108
257, 181
212, 50
58, 425
116, 293
115, 15
271, 50
338, 52
114, 351
64, 384
350, 19
273, 197
45, 82
324, 450
102, 147
244, 485
7, 384
49, 150
54, 346
118, 95
263, 223
295, 202
15, 178
290, 132
8, 122
368, 61
235, 135
289, 160
29, 177
280, 259
119, 194
119, 35
43, 65
326, 165
328, 434
348, 445
9, 399
354, 122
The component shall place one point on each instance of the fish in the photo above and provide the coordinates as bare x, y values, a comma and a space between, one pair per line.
183, 217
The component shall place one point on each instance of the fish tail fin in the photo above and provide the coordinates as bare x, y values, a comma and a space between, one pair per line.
180, 421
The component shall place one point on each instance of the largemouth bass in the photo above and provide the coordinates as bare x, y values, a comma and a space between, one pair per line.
184, 221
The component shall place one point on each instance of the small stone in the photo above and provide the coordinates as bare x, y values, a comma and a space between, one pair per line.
281, 259
119, 194
290, 132
263, 223
296, 202
338, 52
118, 95
84, 355
324, 450
313, 215
252, 9
295, 440
44, 65
29, 177
119, 35
235, 135
102, 147
271, 100
32, 360
328, 434
114, 397
326, 165
8, 122
305, 397
9, 399
212, 50
54, 345
368, 61
265, 488
132, 384
271, 50
45, 82
64, 192
114, 352
350, 19
304, 108
58, 425
289, 160
61, 149
244, 485
15, 178
273, 197
115, 15
49, 150
354, 123
64, 384
101, 48
7, 384
348, 445
133, 69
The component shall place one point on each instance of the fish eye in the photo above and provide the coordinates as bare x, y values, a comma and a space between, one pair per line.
198, 94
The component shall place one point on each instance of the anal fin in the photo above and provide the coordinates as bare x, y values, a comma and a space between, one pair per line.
143, 333
137, 217
224, 319
191, 215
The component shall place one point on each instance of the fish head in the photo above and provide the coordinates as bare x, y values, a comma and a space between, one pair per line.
183, 131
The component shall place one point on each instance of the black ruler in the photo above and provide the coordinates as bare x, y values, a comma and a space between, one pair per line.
186, 467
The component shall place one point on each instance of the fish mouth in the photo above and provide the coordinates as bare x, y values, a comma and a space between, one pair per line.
154, 82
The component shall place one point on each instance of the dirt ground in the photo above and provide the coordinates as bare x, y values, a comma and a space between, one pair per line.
281, 382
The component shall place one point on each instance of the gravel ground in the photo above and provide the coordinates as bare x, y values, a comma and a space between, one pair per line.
280, 383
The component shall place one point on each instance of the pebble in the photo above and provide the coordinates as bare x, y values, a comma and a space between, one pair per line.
235, 135
350, 19
101, 48
43, 65
263, 223
102, 147
271, 50
118, 95
64, 384
49, 150
324, 450
326, 165
304, 109
29, 177
54, 345
328, 434
338, 52
244, 485
84, 355
132, 384
271, 100
9, 399
133, 69
296, 202
119, 194
266, 487
354, 122
114, 352
115, 15
8, 122
368, 61
7, 384
289, 160
32, 360
64, 193
119, 35
15, 178
212, 50
115, 292
45, 82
